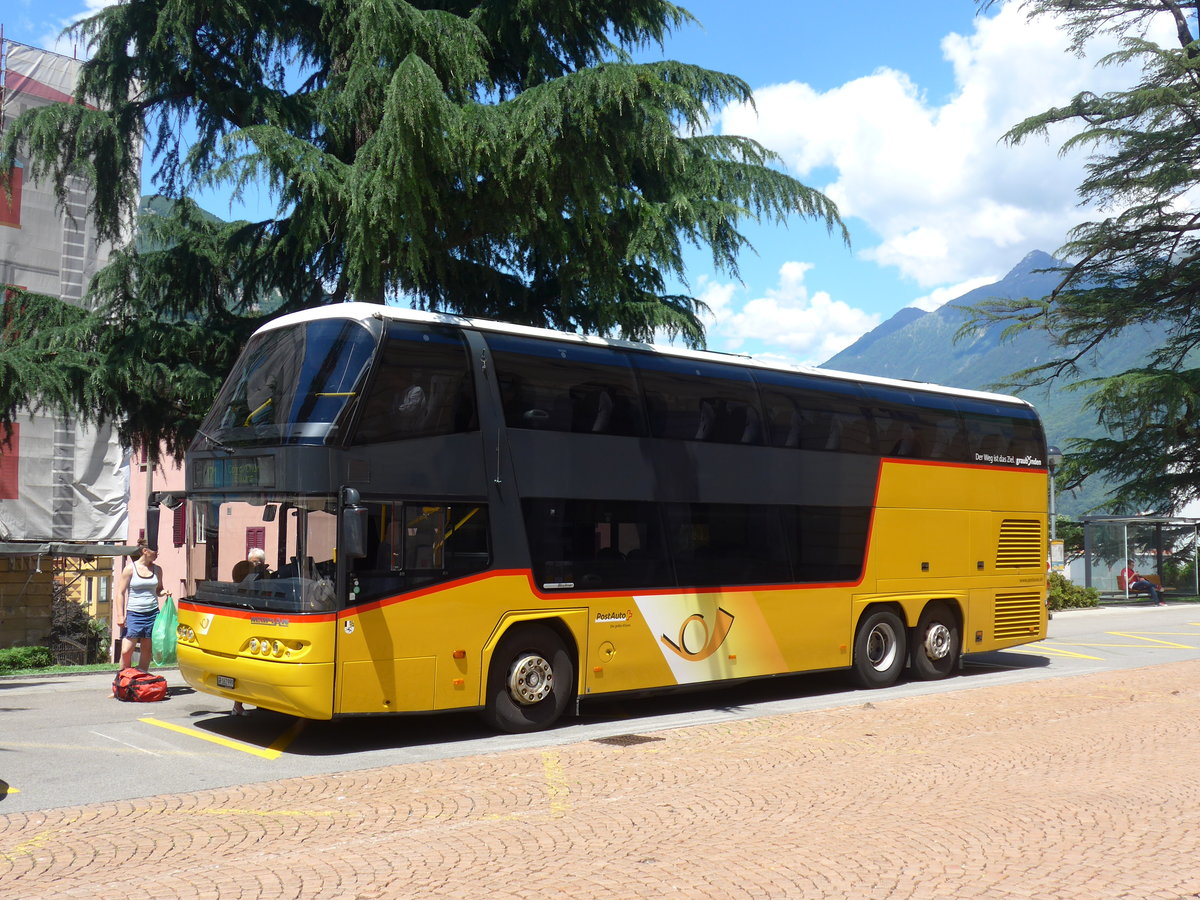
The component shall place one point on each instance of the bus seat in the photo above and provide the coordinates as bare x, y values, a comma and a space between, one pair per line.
708, 420
240, 569
752, 431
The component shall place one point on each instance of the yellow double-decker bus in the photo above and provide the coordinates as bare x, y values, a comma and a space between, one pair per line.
460, 514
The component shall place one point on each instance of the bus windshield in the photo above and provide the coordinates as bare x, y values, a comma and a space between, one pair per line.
292, 385
296, 536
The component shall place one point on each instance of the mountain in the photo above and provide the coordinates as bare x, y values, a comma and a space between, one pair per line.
921, 346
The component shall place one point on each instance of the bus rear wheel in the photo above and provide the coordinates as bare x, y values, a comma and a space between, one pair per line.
530, 680
880, 650
937, 642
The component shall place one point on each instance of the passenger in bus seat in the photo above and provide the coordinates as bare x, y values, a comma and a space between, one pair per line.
255, 566
412, 408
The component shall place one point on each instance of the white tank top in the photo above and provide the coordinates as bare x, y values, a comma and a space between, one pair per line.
143, 592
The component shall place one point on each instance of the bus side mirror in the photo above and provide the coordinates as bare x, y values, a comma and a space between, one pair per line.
353, 544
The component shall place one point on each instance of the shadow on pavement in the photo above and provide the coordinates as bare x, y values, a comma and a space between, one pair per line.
363, 734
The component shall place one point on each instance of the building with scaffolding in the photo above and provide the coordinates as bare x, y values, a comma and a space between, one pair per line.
64, 485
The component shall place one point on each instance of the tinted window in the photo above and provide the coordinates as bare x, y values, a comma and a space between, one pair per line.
413, 544
1028, 440
292, 384
815, 414
714, 544
594, 544
1001, 433
598, 545
564, 386
937, 425
422, 386
827, 543
694, 400
902, 428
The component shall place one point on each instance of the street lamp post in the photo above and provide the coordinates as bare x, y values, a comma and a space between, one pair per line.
1054, 458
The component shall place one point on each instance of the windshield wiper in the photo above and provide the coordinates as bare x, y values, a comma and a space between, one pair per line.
213, 442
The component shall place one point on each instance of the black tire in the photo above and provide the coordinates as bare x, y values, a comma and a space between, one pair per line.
880, 649
530, 682
936, 642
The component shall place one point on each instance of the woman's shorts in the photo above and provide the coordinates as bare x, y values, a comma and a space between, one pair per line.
139, 624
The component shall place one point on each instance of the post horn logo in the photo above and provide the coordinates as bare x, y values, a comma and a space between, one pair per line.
712, 639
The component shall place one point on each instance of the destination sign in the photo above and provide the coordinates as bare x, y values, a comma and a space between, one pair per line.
224, 472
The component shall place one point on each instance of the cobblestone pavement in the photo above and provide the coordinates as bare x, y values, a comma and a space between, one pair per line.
1083, 787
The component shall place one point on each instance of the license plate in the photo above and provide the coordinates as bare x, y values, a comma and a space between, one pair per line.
224, 681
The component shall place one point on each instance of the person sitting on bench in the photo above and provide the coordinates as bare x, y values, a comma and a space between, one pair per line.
1137, 584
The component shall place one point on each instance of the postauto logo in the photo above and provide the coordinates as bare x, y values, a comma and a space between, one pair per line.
709, 639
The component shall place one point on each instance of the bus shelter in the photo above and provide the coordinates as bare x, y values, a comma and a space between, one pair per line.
1165, 546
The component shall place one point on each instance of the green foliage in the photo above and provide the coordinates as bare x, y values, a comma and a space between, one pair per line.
502, 158
1071, 534
1065, 595
68, 619
1139, 265
1180, 574
13, 659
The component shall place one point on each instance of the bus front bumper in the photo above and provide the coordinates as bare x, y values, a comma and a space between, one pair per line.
298, 689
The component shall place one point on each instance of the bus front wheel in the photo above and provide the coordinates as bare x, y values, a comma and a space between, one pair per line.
879, 649
936, 643
530, 680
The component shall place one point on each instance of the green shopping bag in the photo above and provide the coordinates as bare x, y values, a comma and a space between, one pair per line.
163, 637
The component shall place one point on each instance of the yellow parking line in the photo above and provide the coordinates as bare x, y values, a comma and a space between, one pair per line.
1040, 649
35, 843
272, 752
1172, 633
1148, 643
1141, 636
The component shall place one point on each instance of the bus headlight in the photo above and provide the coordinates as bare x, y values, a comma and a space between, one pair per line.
253, 645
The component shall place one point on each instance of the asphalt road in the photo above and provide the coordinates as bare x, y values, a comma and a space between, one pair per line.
63, 742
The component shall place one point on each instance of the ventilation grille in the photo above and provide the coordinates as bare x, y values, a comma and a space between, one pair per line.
1020, 544
1018, 615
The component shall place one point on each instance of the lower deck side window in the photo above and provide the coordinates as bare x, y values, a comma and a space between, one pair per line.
580, 544
411, 544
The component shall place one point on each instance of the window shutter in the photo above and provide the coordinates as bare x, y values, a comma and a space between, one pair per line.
256, 536
179, 525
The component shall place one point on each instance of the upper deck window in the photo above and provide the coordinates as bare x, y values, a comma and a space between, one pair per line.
807, 413
697, 400
422, 386
291, 385
566, 386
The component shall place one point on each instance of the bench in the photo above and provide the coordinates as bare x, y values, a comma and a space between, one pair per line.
1153, 579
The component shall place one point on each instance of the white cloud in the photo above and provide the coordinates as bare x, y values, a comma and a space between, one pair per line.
931, 177
938, 297
789, 322
51, 37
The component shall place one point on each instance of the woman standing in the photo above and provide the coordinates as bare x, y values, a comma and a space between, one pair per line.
140, 595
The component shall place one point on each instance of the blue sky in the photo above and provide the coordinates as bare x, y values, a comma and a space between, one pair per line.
895, 110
